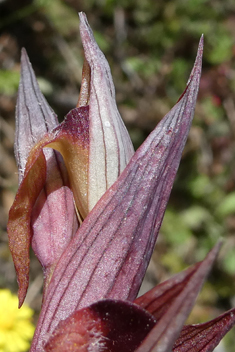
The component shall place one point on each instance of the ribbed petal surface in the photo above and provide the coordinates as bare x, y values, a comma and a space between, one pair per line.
109, 255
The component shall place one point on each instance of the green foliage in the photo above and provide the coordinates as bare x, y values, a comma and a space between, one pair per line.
64, 19
9, 81
226, 206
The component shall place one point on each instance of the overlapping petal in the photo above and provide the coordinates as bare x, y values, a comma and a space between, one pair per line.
113, 325
110, 252
39, 202
106, 258
176, 309
110, 144
95, 146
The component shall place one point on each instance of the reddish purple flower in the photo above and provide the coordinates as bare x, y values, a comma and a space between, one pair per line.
92, 209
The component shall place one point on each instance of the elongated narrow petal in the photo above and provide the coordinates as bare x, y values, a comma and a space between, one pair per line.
34, 117
158, 300
109, 254
111, 326
205, 337
110, 146
168, 327
73, 146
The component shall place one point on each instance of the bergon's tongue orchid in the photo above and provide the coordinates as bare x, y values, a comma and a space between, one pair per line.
95, 146
92, 210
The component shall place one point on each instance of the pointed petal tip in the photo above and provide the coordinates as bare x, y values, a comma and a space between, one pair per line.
217, 247
195, 75
83, 19
25, 61
24, 55
82, 16
198, 61
85, 30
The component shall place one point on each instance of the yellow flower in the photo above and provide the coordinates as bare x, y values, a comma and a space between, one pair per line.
16, 328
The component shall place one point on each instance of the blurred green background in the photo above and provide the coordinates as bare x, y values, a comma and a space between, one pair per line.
151, 46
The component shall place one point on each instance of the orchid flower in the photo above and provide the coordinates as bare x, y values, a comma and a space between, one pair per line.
92, 210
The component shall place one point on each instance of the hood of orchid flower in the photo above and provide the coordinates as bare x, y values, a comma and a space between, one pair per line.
90, 149
92, 210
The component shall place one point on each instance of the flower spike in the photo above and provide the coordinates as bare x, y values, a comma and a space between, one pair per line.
109, 254
93, 268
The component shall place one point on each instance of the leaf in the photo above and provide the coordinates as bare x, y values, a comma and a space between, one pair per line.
110, 252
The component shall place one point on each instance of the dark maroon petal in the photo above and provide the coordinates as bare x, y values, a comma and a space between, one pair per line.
163, 336
109, 255
111, 326
205, 337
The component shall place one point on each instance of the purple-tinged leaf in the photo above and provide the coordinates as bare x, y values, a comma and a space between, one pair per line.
109, 254
205, 337
110, 146
164, 334
107, 325
53, 215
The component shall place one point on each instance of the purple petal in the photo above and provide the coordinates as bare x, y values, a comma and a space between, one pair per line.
109, 255
168, 327
205, 337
